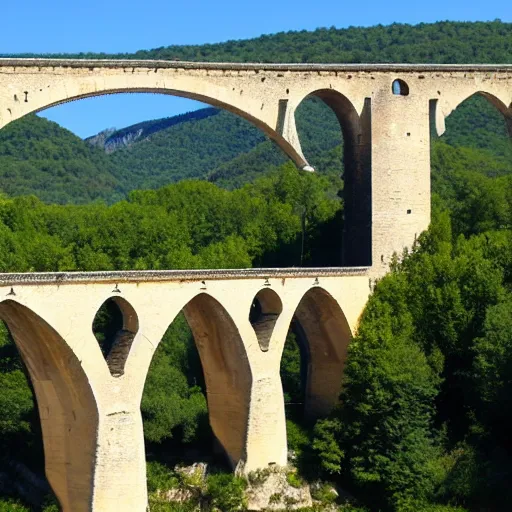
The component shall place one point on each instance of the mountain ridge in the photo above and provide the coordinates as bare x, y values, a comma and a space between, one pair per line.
124, 137
397, 42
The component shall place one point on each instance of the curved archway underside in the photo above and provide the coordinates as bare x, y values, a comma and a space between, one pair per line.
441, 109
67, 407
357, 183
226, 371
327, 335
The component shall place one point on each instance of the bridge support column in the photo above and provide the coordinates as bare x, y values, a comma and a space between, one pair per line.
90, 420
266, 444
67, 406
400, 174
120, 463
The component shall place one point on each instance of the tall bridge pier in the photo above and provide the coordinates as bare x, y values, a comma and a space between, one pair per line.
90, 406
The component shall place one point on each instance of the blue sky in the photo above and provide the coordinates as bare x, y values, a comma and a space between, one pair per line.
50, 26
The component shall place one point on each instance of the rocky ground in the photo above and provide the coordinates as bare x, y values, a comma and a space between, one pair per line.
270, 489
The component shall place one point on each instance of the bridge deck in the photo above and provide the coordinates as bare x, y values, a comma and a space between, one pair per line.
245, 66
125, 276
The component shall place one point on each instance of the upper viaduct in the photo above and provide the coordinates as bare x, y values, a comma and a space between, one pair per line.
90, 406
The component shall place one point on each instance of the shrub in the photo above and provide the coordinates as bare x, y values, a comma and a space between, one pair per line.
294, 480
324, 493
161, 506
12, 506
259, 476
298, 437
160, 477
226, 492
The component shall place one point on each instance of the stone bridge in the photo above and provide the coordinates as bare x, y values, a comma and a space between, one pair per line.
90, 406
385, 113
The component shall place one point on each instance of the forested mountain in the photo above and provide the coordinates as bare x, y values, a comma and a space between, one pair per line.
443, 42
424, 422
111, 140
39, 157
186, 150
206, 144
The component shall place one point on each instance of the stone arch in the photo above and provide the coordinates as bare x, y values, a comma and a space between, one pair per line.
217, 96
66, 404
440, 111
356, 130
500, 107
491, 98
323, 334
226, 371
265, 310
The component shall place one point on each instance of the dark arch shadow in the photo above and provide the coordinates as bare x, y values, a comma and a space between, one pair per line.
356, 131
265, 310
66, 404
117, 344
226, 371
323, 336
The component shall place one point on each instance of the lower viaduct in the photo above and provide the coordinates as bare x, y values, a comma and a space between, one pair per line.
90, 405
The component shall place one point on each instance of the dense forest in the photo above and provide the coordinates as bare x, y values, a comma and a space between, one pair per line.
444, 42
425, 410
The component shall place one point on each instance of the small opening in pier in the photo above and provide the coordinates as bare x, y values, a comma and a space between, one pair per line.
400, 88
265, 310
115, 326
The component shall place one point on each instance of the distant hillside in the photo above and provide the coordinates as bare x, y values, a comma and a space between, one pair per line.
443, 42
320, 135
185, 150
111, 140
476, 123
39, 157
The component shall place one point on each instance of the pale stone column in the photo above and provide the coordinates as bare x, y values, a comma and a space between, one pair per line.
400, 172
90, 418
120, 463
266, 434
